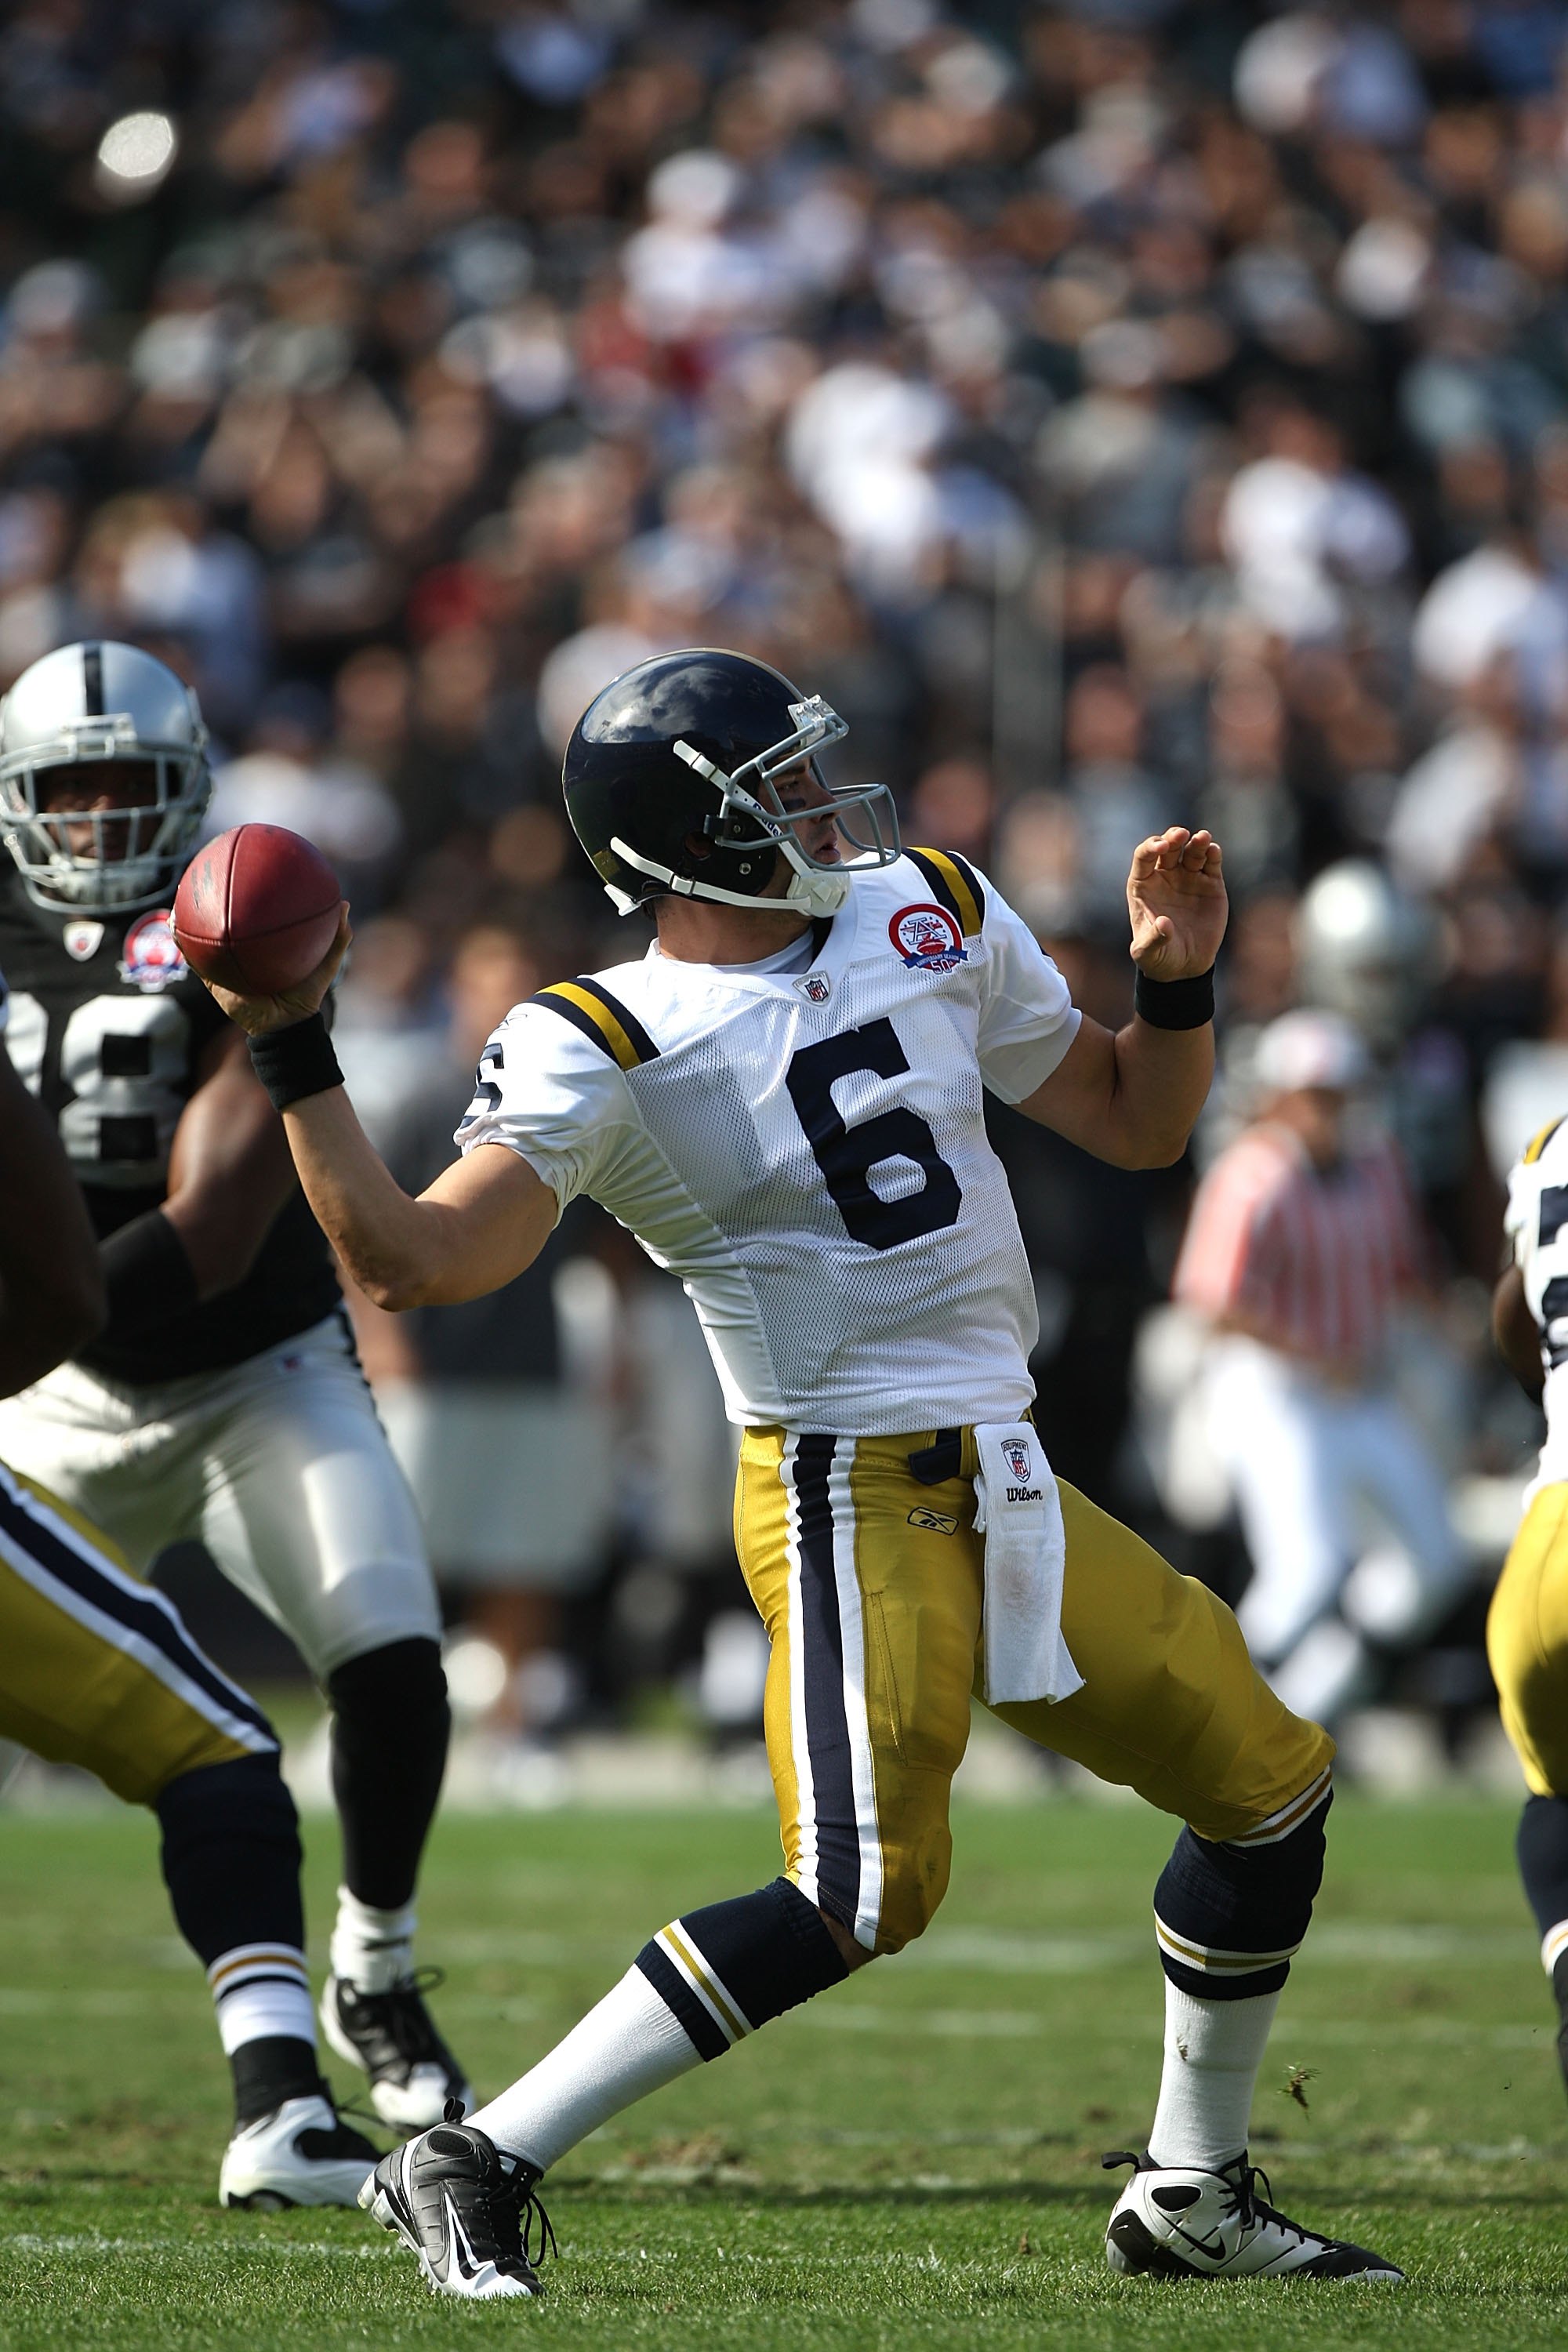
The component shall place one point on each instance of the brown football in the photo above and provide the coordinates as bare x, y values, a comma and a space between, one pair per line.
256, 909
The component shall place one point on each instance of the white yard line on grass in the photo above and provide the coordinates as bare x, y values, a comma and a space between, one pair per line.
1003, 2024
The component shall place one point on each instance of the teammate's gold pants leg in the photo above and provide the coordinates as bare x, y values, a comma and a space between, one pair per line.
1527, 1643
96, 1668
870, 1586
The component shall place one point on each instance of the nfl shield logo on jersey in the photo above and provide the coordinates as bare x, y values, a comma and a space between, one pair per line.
152, 960
82, 939
1017, 1454
815, 987
928, 939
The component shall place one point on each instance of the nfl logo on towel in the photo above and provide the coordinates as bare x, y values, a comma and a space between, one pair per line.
1017, 1454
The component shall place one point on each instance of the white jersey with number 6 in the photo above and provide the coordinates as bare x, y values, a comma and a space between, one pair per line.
1537, 1226
805, 1147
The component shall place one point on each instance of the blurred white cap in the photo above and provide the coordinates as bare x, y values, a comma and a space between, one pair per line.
1308, 1049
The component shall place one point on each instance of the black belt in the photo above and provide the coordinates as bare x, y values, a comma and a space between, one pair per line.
943, 1459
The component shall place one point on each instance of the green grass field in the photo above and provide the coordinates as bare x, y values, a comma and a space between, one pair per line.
910, 2161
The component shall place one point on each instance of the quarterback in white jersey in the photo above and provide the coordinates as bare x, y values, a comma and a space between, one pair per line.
1526, 1626
805, 1146
783, 1101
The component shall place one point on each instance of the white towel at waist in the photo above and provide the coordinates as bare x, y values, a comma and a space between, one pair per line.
1019, 1512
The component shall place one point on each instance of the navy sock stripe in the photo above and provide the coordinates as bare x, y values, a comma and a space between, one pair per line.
149, 1616
678, 1997
1202, 1986
822, 1669
1226, 1902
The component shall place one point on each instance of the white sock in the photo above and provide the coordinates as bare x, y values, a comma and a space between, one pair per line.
371, 1949
261, 1989
1553, 1944
629, 2045
1213, 2052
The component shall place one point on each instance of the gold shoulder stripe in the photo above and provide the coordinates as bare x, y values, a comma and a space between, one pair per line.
599, 1015
958, 888
1534, 1148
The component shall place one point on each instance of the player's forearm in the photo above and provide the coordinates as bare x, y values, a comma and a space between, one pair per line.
472, 1232
390, 1245
1160, 1082
51, 1287
229, 1172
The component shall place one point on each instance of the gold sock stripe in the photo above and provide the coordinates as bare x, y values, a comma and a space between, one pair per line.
1214, 1958
1553, 1944
703, 1982
275, 1959
1290, 1817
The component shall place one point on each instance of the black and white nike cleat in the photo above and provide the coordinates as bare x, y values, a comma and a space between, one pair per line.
466, 2209
302, 2154
1175, 2221
392, 2037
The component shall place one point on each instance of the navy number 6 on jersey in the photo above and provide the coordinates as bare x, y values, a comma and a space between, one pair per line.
847, 1155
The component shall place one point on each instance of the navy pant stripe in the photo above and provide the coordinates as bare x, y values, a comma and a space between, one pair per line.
147, 1614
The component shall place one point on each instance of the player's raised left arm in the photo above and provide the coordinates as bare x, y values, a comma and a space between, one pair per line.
1131, 1097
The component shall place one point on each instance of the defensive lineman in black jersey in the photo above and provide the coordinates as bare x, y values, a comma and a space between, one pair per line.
222, 1399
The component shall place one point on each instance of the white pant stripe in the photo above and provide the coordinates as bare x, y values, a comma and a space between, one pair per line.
800, 1748
851, 1620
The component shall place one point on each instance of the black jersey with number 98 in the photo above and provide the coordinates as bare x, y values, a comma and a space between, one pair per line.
109, 1027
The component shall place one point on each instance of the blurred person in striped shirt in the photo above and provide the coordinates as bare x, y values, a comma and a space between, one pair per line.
1304, 1239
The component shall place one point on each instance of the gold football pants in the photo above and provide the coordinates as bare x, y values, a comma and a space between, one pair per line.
870, 1586
1527, 1643
96, 1668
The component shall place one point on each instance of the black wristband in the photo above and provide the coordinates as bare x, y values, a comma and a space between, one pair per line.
295, 1062
147, 1278
1173, 1004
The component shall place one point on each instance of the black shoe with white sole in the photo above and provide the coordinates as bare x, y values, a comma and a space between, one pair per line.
467, 2210
1176, 2221
392, 2037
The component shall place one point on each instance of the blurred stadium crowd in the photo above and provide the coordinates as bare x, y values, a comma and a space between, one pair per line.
1124, 412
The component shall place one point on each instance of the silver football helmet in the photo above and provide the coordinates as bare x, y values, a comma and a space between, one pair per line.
1366, 951
78, 707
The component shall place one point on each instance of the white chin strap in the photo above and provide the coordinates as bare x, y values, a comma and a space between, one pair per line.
811, 888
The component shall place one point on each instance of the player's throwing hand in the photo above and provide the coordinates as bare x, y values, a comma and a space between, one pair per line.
259, 1015
1176, 898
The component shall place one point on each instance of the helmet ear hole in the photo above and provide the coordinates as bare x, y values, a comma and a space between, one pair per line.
696, 847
